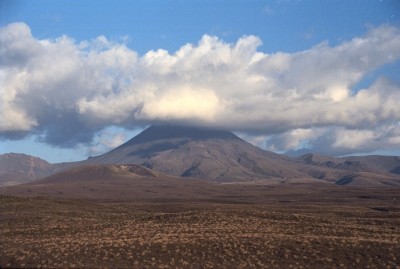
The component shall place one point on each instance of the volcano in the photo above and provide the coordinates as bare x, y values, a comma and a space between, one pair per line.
215, 155
200, 153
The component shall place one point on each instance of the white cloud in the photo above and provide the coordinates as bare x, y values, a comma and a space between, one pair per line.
295, 138
268, 10
106, 140
68, 91
353, 139
182, 103
337, 140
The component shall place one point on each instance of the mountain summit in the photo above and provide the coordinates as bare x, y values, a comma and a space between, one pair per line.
219, 156
162, 132
201, 153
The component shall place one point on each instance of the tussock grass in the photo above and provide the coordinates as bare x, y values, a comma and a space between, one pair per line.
50, 233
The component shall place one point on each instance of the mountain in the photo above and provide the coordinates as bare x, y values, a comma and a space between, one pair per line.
113, 182
376, 163
200, 153
371, 163
214, 155
20, 168
354, 170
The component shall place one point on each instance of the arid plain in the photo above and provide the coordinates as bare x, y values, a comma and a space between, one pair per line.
232, 226
190, 198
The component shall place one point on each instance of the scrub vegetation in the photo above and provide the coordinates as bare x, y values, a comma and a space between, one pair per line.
348, 229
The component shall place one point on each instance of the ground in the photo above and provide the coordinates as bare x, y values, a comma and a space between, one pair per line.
323, 229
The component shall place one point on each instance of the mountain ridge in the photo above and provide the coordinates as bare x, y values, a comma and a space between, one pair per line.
18, 168
112, 182
200, 153
160, 132
221, 156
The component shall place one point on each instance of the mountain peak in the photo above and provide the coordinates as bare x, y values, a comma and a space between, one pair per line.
161, 132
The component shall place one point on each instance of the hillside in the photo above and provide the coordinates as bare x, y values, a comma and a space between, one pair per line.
200, 153
18, 168
215, 155
115, 182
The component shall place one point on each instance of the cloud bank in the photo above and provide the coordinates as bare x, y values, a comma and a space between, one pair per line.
66, 92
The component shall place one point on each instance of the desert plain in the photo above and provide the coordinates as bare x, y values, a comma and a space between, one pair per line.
234, 226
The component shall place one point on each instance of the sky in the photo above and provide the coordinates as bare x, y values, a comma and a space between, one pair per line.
78, 78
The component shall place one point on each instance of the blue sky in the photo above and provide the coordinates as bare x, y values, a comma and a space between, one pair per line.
282, 25
288, 34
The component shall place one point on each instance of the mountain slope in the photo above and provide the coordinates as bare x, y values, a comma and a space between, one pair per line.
214, 155
370, 170
115, 182
371, 163
376, 163
18, 168
200, 153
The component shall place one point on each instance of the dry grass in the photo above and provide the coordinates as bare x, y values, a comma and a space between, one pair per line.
364, 232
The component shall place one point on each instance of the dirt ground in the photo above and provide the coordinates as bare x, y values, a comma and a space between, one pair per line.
326, 229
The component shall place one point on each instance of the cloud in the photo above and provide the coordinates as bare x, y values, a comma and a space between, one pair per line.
268, 10
337, 140
66, 91
106, 140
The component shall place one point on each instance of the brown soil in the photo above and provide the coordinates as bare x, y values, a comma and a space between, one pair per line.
297, 228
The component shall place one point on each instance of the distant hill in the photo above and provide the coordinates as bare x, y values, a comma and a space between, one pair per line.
214, 155
354, 170
377, 163
371, 163
113, 182
18, 168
